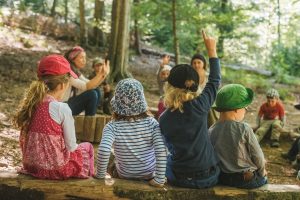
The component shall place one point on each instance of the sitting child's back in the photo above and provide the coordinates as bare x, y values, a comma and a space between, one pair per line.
139, 149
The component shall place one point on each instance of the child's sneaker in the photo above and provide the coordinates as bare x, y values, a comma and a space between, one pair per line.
275, 144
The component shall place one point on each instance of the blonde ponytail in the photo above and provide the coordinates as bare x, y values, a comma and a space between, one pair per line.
175, 97
33, 96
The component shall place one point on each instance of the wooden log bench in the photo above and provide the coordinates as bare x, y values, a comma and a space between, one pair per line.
15, 186
89, 128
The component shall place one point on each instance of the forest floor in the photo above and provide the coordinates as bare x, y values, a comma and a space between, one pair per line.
18, 69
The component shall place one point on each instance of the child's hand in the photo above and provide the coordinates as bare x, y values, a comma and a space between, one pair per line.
210, 44
105, 69
152, 182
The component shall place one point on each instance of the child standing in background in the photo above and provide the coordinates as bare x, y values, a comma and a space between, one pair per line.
165, 60
242, 160
139, 148
271, 116
47, 140
163, 75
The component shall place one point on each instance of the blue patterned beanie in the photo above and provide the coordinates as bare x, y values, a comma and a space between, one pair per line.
129, 98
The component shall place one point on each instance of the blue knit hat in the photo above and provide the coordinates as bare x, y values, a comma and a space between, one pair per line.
129, 98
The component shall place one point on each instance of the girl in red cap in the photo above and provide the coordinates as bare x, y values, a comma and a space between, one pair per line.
83, 94
47, 138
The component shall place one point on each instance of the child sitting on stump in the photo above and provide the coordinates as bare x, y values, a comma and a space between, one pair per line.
139, 149
242, 160
271, 117
47, 140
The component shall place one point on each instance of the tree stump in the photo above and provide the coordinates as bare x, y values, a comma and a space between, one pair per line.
89, 128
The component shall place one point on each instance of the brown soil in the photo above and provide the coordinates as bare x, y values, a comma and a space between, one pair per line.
18, 69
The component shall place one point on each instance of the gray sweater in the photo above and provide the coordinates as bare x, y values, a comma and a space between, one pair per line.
237, 147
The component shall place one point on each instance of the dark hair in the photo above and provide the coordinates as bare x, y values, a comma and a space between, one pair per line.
143, 115
200, 57
72, 65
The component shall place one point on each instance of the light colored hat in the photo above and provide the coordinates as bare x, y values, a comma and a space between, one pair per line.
166, 68
98, 60
272, 93
233, 96
129, 98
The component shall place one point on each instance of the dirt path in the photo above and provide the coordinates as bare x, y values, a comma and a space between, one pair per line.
18, 68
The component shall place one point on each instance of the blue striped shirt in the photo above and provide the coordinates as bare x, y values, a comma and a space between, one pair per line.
138, 147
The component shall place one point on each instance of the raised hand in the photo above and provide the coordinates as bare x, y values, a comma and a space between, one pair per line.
210, 44
105, 69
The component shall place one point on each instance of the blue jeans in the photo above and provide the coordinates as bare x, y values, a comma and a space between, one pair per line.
87, 101
207, 181
235, 181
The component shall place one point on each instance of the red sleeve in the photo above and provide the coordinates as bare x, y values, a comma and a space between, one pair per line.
261, 111
281, 111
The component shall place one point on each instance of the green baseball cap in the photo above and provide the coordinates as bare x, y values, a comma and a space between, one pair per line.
233, 96
98, 60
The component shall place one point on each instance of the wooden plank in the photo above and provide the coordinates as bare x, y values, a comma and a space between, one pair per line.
89, 128
79, 121
100, 123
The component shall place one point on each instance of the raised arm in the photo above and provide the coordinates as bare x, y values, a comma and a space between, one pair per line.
99, 78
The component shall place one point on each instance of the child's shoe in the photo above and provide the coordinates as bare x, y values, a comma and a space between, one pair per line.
275, 143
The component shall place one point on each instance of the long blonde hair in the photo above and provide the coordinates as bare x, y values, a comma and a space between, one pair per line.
33, 96
175, 97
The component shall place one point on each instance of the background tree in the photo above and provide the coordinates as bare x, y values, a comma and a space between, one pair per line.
176, 42
99, 15
83, 37
119, 40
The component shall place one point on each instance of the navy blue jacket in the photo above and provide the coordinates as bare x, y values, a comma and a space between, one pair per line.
186, 133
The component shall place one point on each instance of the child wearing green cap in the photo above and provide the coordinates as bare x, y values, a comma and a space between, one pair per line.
271, 117
242, 161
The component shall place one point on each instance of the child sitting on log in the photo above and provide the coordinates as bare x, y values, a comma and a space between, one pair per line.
47, 140
192, 162
139, 148
271, 117
242, 160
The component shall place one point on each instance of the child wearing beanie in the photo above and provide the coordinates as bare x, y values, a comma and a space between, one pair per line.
242, 161
192, 162
139, 149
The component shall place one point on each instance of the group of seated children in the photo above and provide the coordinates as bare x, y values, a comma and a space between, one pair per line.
180, 147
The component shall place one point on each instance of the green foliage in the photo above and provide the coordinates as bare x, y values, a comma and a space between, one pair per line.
285, 62
251, 80
285, 94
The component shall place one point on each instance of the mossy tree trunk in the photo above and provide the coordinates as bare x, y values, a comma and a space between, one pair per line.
83, 38
119, 40
66, 11
176, 42
99, 17
53, 8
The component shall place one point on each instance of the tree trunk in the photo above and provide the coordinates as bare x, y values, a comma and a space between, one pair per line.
137, 46
83, 39
99, 16
279, 22
223, 30
176, 42
66, 11
119, 40
53, 8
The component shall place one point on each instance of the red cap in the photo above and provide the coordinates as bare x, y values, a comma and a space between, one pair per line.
54, 65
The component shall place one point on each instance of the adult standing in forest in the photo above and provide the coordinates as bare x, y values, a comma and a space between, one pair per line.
198, 62
82, 94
